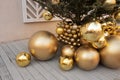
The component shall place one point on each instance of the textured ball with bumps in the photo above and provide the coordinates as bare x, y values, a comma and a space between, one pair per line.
68, 33
109, 28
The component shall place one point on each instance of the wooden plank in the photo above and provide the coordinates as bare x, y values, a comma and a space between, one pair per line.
101, 73
15, 75
29, 68
23, 45
54, 65
38, 67
22, 70
0, 77
50, 69
4, 73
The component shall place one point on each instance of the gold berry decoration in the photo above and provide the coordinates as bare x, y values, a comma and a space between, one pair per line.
68, 33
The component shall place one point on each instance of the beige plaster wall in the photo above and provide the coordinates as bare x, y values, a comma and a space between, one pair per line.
11, 22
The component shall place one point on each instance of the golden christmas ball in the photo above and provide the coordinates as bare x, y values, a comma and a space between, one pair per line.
59, 30
55, 1
47, 15
117, 15
101, 43
23, 59
87, 58
66, 63
109, 4
68, 51
43, 45
91, 31
109, 28
110, 55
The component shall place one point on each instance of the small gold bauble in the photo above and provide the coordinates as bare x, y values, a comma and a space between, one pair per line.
43, 45
110, 55
92, 31
23, 59
109, 28
66, 63
109, 4
117, 15
59, 30
55, 1
87, 58
47, 15
68, 51
101, 43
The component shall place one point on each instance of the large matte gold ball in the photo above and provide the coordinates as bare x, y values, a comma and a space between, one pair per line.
43, 45
66, 63
23, 59
68, 51
110, 55
87, 58
92, 31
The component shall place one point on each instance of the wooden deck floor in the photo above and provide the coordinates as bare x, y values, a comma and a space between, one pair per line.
45, 70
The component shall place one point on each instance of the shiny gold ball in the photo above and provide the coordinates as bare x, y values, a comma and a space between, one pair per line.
23, 59
109, 4
66, 63
43, 45
55, 1
110, 55
87, 58
92, 31
101, 43
109, 28
47, 15
117, 15
59, 30
68, 51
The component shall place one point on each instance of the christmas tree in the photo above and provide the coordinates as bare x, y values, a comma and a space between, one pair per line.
81, 11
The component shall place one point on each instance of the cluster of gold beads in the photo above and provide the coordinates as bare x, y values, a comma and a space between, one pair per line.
68, 33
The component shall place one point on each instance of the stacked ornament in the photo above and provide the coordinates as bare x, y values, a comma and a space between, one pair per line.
98, 42
86, 44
